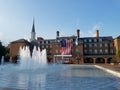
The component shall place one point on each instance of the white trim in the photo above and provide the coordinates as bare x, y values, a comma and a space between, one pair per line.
62, 55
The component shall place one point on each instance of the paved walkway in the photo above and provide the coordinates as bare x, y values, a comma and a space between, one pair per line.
112, 67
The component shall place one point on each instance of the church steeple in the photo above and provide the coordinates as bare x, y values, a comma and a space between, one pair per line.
33, 32
33, 27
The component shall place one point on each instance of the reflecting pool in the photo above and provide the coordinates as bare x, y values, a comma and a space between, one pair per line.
57, 77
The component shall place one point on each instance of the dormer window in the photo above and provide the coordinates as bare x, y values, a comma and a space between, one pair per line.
95, 40
90, 40
85, 40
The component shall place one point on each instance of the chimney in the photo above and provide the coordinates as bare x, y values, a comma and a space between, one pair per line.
57, 34
78, 33
97, 33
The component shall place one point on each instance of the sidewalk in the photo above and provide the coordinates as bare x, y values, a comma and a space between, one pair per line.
112, 67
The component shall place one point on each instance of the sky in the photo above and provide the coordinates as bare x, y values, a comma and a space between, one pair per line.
66, 16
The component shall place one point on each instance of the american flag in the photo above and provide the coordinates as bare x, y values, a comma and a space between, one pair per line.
66, 46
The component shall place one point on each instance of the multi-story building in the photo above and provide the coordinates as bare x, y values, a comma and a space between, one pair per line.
88, 50
99, 49
53, 46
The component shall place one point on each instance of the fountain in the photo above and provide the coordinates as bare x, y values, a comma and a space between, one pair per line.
33, 73
10, 60
2, 60
37, 60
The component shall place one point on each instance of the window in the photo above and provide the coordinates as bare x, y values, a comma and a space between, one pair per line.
50, 41
90, 51
95, 45
46, 46
95, 40
90, 45
100, 44
74, 40
96, 51
56, 51
85, 45
101, 51
46, 42
111, 51
42, 42
106, 51
106, 45
85, 51
111, 45
90, 40
85, 40
42, 46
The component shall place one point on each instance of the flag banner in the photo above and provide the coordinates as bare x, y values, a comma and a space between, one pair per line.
66, 47
63, 43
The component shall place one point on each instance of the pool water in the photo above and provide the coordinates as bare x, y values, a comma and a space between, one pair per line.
59, 77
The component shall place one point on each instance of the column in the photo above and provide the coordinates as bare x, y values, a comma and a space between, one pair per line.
94, 59
82, 60
105, 60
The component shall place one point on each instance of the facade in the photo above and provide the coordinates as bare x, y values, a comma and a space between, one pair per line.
117, 47
98, 49
15, 46
84, 49
88, 49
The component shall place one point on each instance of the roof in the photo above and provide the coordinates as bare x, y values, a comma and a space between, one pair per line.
69, 37
96, 37
21, 41
40, 38
107, 38
33, 27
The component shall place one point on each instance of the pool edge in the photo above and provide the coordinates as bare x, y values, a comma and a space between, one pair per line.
115, 73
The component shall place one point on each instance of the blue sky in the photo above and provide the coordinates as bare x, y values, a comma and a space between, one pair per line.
66, 16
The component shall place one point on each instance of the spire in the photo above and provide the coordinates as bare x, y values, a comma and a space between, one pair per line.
33, 32
33, 27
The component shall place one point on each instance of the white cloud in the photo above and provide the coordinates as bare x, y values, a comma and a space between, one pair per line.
92, 31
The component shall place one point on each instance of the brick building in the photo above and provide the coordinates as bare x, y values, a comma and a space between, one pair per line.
15, 46
99, 49
88, 50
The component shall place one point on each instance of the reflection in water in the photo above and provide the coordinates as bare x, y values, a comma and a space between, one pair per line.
37, 82
59, 78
